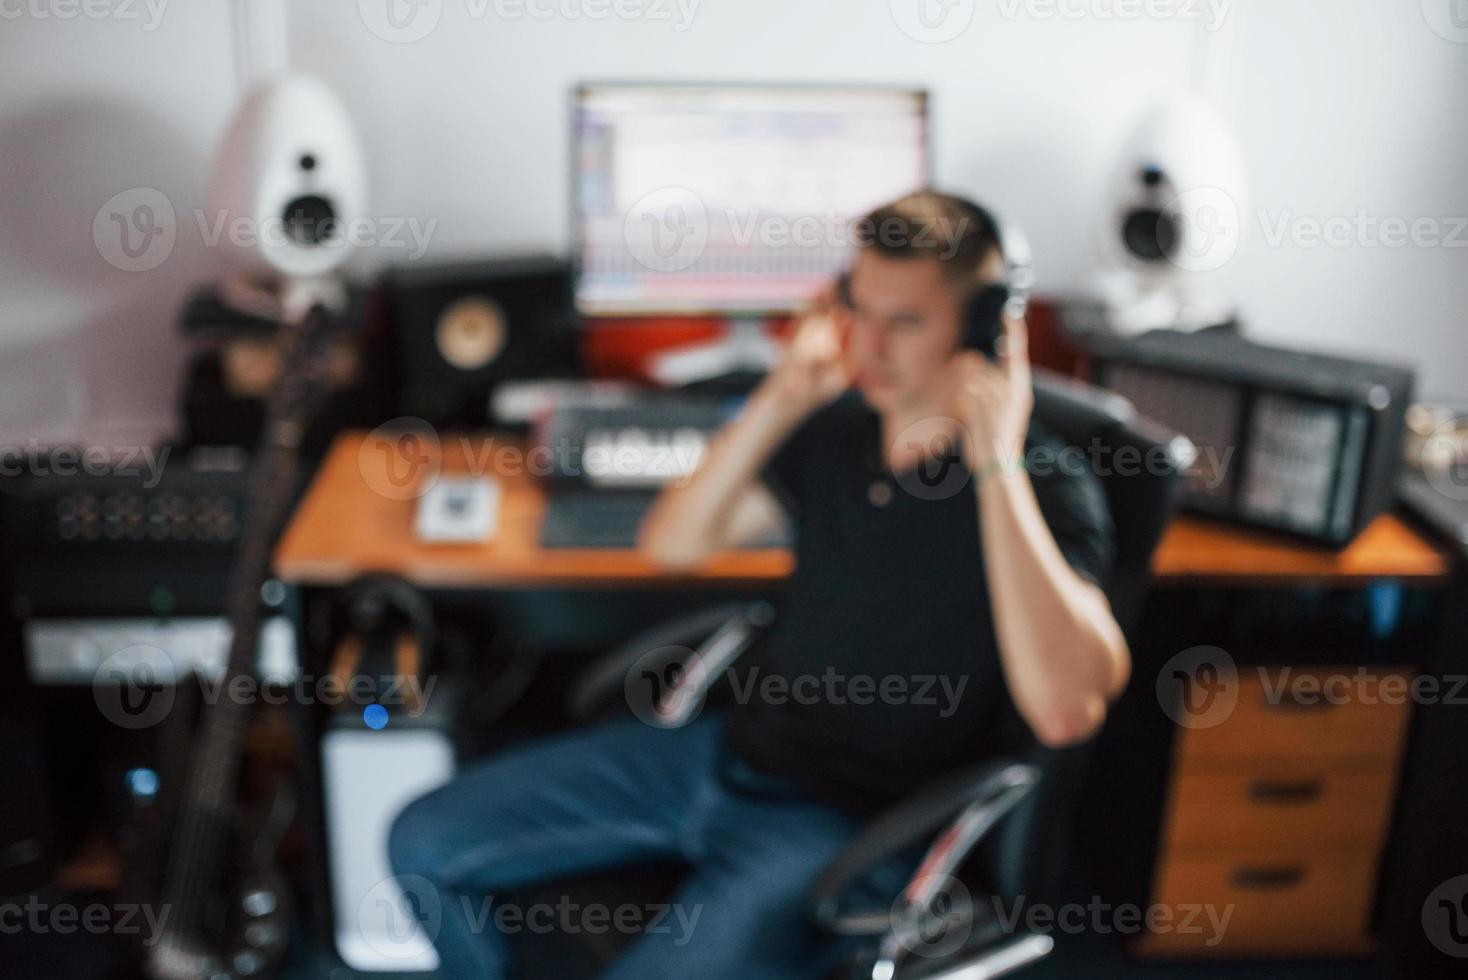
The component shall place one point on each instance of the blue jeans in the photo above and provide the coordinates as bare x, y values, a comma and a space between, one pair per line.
618, 795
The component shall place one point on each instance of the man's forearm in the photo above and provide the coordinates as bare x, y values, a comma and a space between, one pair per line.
1063, 654
688, 521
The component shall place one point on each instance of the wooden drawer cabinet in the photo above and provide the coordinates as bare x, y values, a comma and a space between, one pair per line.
1276, 818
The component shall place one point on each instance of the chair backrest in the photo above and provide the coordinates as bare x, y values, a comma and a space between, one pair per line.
1139, 464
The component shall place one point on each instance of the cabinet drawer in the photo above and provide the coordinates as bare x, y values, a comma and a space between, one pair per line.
1272, 907
1283, 712
1309, 809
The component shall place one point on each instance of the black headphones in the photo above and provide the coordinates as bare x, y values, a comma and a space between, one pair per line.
390, 632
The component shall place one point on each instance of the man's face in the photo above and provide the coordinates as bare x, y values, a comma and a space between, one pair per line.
905, 322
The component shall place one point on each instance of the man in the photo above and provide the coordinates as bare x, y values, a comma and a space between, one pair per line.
925, 621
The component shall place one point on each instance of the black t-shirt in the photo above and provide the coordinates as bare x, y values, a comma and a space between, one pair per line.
882, 671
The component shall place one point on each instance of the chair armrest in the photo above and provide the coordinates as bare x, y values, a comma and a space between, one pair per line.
969, 803
702, 643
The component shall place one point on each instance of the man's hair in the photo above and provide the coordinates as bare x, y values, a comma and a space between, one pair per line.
930, 224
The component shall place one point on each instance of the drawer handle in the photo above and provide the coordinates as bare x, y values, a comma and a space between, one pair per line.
1267, 879
1285, 794
1318, 703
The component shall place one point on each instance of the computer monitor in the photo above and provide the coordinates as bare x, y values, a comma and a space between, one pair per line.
728, 199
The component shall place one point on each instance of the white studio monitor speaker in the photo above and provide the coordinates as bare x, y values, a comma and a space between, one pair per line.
289, 180
1175, 216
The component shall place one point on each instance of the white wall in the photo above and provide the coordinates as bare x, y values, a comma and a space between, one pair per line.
1341, 107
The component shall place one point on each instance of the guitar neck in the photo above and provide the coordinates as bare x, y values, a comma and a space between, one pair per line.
210, 789
272, 481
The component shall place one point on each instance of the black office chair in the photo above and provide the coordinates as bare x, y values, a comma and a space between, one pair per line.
1000, 828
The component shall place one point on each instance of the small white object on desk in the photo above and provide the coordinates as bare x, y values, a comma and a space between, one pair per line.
459, 510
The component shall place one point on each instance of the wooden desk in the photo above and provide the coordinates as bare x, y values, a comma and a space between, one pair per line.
357, 518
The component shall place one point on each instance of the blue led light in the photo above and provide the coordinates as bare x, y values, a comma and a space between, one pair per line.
142, 783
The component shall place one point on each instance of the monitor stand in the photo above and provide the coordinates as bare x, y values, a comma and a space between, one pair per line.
745, 348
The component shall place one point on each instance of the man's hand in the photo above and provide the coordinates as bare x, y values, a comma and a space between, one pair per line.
813, 371
993, 400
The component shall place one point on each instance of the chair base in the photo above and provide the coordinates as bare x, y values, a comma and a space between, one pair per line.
999, 960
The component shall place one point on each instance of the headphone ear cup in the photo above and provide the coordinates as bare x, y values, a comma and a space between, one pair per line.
982, 318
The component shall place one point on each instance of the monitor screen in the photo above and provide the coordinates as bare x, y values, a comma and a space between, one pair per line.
731, 199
